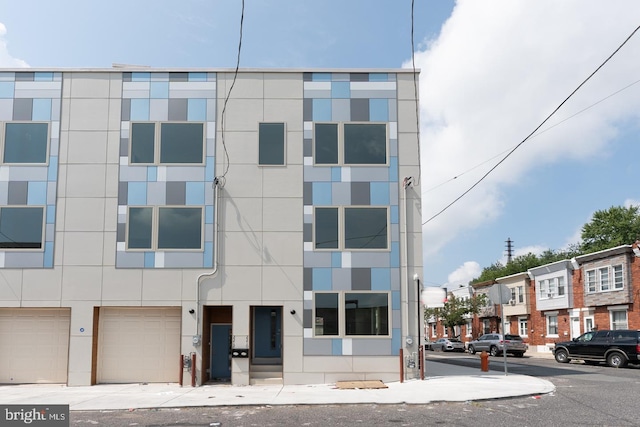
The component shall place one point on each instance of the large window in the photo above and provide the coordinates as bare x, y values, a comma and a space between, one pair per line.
362, 228
604, 279
619, 319
271, 144
25, 142
164, 228
551, 288
167, 143
21, 227
351, 314
350, 143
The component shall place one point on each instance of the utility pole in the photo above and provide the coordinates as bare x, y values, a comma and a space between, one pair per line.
509, 249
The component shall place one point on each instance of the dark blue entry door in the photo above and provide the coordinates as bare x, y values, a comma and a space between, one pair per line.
267, 334
220, 367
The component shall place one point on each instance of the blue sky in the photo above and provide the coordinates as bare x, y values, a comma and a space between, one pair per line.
492, 70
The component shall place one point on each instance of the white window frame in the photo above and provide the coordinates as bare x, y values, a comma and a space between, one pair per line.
155, 214
469, 327
342, 232
341, 146
549, 324
486, 326
520, 294
523, 326
3, 134
619, 309
342, 315
157, 141
604, 279
434, 329
43, 209
543, 289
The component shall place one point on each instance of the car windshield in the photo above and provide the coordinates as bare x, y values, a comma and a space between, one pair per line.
454, 340
513, 337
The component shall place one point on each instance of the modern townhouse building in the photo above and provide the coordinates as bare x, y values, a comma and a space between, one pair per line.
267, 222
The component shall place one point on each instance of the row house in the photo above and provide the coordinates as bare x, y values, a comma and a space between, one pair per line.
564, 299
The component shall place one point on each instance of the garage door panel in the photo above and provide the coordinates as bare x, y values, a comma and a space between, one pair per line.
139, 345
34, 345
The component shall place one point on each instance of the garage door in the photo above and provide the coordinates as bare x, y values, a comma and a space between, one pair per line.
138, 345
34, 345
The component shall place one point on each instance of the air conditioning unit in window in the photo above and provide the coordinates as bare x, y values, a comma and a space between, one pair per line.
549, 295
512, 302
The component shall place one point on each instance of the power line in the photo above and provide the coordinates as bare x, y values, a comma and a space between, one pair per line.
226, 99
534, 131
536, 135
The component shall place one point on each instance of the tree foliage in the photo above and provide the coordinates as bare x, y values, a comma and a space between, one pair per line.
456, 310
609, 228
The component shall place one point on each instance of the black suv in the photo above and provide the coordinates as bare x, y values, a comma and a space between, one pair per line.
616, 347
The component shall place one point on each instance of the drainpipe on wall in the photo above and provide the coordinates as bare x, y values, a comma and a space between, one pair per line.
218, 183
405, 303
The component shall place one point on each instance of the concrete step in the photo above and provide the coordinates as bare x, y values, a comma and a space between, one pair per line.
266, 381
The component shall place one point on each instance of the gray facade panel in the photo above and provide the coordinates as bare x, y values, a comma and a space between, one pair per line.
359, 110
370, 259
23, 259
317, 347
371, 347
307, 318
384, 94
185, 173
123, 193
125, 112
17, 192
178, 109
307, 279
361, 279
317, 174
130, 259
133, 173
340, 110
183, 259
176, 193
361, 193
22, 108
157, 193
341, 193
28, 173
317, 259
372, 174
6, 109
341, 279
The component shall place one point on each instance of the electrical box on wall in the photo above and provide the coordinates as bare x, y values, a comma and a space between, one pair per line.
196, 340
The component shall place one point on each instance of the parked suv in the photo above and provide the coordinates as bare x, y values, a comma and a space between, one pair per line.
616, 347
495, 343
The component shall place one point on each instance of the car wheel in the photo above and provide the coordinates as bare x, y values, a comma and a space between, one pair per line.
616, 360
493, 350
562, 356
472, 350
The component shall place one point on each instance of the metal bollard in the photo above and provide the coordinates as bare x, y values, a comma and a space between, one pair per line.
484, 361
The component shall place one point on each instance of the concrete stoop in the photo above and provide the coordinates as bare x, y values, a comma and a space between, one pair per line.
266, 375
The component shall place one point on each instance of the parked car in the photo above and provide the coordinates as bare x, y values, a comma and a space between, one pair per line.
494, 344
447, 344
615, 347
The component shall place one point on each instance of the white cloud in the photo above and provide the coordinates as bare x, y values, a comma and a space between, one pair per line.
464, 274
6, 60
494, 73
631, 202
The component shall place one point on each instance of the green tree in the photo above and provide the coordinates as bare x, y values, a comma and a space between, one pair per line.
455, 311
610, 228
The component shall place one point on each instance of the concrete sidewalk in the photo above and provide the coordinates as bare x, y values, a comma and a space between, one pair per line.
443, 383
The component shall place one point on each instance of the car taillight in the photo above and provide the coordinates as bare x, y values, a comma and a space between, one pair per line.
638, 348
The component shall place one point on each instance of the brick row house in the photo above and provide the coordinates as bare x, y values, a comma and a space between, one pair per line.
562, 300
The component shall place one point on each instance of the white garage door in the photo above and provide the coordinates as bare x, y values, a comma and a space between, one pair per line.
34, 345
138, 345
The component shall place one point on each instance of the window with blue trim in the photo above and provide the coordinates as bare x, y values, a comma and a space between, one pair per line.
351, 314
351, 228
25, 143
165, 228
21, 227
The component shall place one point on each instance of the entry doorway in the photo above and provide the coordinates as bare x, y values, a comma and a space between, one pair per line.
575, 327
217, 331
267, 336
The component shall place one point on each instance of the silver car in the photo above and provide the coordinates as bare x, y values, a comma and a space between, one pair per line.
494, 344
447, 344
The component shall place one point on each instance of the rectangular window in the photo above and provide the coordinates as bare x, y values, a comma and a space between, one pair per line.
486, 326
350, 143
591, 280
513, 294
179, 228
271, 147
140, 228
619, 319
351, 314
561, 285
469, 328
365, 144
167, 143
165, 228
604, 278
552, 287
552, 324
543, 289
326, 314
326, 143
365, 228
351, 228
21, 227
26, 143
520, 294
523, 326
434, 330
618, 278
